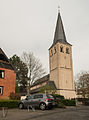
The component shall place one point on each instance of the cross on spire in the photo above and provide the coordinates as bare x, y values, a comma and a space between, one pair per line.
58, 9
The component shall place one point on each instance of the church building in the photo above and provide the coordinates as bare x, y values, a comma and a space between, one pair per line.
60, 63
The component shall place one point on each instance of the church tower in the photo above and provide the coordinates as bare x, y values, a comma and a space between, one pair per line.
60, 61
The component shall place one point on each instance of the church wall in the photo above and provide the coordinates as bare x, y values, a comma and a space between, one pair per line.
65, 79
53, 57
61, 68
67, 93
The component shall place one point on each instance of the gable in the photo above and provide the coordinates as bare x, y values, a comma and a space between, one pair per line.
4, 61
3, 57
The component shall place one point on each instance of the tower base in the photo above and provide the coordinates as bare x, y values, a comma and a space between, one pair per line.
68, 94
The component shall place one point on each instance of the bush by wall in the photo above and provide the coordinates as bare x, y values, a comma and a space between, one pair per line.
15, 96
57, 96
69, 102
61, 102
9, 103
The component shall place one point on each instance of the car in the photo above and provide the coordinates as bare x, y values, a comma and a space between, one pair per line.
41, 101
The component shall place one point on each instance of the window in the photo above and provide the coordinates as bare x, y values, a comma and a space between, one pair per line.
38, 96
67, 50
61, 49
55, 50
51, 53
30, 97
1, 90
50, 96
2, 74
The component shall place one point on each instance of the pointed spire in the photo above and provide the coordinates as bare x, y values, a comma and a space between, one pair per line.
59, 32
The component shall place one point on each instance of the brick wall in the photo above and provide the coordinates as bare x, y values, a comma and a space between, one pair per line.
8, 83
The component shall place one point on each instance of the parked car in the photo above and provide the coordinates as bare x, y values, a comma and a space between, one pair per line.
41, 101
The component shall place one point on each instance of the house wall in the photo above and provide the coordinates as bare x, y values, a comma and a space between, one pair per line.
8, 83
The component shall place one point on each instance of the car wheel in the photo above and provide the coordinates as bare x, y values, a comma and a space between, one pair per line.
21, 106
42, 106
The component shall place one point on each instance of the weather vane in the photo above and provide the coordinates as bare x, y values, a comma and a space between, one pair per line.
58, 9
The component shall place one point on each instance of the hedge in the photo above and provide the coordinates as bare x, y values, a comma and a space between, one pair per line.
9, 103
57, 96
69, 102
60, 101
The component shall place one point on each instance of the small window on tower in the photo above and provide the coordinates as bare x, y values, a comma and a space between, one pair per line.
61, 49
51, 53
55, 49
67, 50
2, 74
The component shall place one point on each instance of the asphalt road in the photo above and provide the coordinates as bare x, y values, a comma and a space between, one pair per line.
70, 113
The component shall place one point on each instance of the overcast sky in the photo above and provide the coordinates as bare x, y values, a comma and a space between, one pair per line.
29, 25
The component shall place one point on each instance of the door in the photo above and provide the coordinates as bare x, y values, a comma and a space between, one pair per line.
29, 101
37, 99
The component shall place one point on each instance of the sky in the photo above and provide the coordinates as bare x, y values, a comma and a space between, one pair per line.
29, 25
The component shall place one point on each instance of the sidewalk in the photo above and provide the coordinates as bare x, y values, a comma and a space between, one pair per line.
16, 114
71, 113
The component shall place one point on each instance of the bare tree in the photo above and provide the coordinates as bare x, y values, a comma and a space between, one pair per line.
82, 84
35, 68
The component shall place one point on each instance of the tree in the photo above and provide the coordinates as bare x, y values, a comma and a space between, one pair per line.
21, 72
35, 68
17, 88
82, 84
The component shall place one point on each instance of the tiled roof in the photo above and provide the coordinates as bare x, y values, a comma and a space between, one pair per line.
41, 80
4, 61
49, 83
6, 66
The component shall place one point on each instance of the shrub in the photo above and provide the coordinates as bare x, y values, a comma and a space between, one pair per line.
61, 102
15, 96
58, 99
9, 103
69, 102
57, 96
60, 105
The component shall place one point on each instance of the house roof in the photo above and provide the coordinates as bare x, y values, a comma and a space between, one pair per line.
49, 83
4, 61
41, 80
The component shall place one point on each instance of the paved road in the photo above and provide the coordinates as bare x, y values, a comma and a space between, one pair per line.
81, 113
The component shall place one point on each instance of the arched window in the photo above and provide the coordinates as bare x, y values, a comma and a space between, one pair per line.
67, 50
61, 49
55, 50
51, 52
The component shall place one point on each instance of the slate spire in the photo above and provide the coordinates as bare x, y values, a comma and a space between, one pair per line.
59, 35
